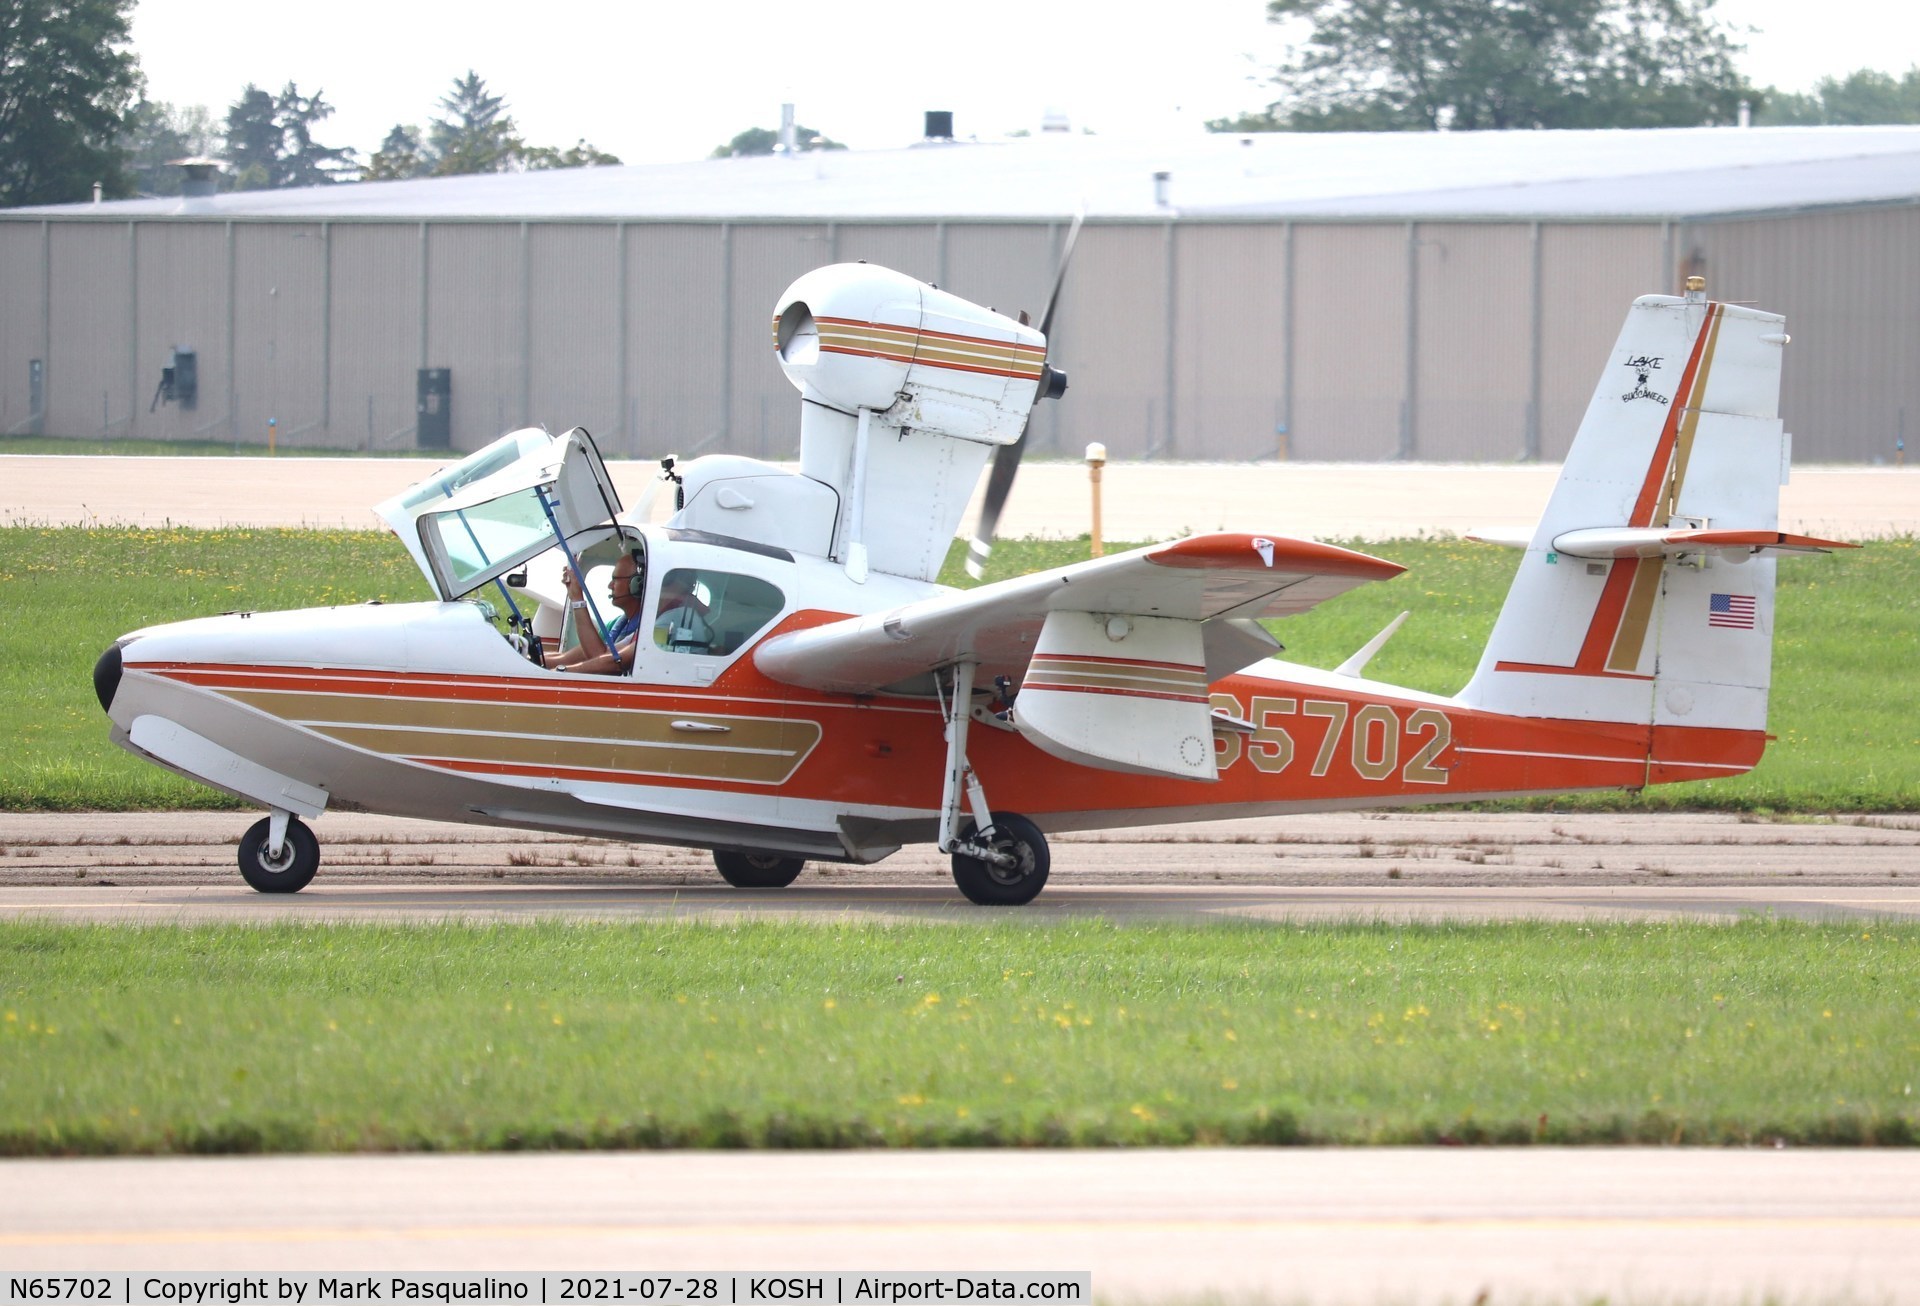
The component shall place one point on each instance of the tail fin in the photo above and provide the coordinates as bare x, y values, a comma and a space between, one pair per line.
1646, 593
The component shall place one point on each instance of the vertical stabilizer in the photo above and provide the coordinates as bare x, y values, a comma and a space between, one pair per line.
1646, 593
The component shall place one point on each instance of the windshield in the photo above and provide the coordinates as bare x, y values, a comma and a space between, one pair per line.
478, 465
473, 539
501, 506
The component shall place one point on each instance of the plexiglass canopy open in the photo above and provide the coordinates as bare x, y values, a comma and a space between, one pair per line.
502, 505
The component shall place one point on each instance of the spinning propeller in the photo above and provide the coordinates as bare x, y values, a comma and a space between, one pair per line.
1006, 459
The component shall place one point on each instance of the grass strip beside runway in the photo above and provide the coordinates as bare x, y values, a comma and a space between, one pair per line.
343, 1038
1846, 706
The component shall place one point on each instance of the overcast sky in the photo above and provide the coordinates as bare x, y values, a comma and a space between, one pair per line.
654, 83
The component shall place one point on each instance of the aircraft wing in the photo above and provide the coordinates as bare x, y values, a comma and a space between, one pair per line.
1208, 587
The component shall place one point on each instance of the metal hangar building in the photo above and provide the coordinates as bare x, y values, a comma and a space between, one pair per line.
1441, 297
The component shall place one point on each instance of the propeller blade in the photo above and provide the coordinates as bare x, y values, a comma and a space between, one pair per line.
1060, 277
1006, 459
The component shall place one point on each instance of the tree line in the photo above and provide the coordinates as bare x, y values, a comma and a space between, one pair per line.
267, 141
74, 113
1501, 65
73, 108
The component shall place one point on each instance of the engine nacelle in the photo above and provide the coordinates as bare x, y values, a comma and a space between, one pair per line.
855, 335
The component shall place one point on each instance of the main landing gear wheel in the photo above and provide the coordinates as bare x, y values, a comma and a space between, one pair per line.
1005, 886
758, 870
292, 870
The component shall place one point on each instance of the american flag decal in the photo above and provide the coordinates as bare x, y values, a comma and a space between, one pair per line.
1735, 611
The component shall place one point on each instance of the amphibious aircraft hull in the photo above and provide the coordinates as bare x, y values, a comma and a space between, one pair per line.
753, 764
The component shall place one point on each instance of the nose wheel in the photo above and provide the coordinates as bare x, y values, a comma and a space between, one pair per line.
1015, 870
287, 869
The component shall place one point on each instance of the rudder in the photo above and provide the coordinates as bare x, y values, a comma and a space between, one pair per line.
1646, 592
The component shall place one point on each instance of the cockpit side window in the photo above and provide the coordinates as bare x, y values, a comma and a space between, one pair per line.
712, 612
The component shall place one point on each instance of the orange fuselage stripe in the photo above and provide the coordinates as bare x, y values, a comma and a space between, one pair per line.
1485, 752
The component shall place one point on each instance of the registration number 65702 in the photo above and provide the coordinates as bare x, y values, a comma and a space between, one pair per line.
1373, 739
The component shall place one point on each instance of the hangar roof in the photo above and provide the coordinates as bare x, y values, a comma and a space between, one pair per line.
1676, 173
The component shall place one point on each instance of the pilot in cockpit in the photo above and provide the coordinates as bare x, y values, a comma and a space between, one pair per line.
625, 591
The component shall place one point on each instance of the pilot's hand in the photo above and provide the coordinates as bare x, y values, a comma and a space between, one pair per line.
572, 582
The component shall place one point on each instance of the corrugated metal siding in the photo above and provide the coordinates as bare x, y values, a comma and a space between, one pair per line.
1112, 334
182, 301
376, 334
22, 299
1350, 363
1008, 267
1847, 284
90, 383
279, 336
676, 338
1473, 306
698, 298
912, 249
1230, 340
475, 323
764, 415
576, 329
1589, 274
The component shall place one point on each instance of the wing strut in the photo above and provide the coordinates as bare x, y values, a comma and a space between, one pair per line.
962, 792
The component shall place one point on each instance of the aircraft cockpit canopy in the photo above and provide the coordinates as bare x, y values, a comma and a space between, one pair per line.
503, 505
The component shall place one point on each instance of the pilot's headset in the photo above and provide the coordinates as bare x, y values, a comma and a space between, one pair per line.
637, 585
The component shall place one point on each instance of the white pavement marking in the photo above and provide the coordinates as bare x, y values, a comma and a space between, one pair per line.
390, 904
1362, 1225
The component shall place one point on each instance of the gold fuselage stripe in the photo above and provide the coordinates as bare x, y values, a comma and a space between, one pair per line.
754, 750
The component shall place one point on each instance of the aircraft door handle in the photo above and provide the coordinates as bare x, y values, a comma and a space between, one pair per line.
701, 727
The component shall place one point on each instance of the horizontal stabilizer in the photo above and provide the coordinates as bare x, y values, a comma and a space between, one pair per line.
1507, 537
1657, 541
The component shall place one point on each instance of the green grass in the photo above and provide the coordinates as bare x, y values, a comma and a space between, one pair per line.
353, 1037
54, 444
1846, 702
68, 592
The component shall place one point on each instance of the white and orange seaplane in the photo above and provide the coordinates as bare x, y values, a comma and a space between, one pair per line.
828, 700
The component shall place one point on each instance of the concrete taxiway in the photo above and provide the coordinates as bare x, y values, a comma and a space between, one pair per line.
1284, 1225
1141, 500
1399, 866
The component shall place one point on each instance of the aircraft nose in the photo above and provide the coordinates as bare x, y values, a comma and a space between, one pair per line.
106, 677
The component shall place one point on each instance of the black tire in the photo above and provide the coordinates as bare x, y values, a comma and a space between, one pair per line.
293, 871
758, 870
994, 886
